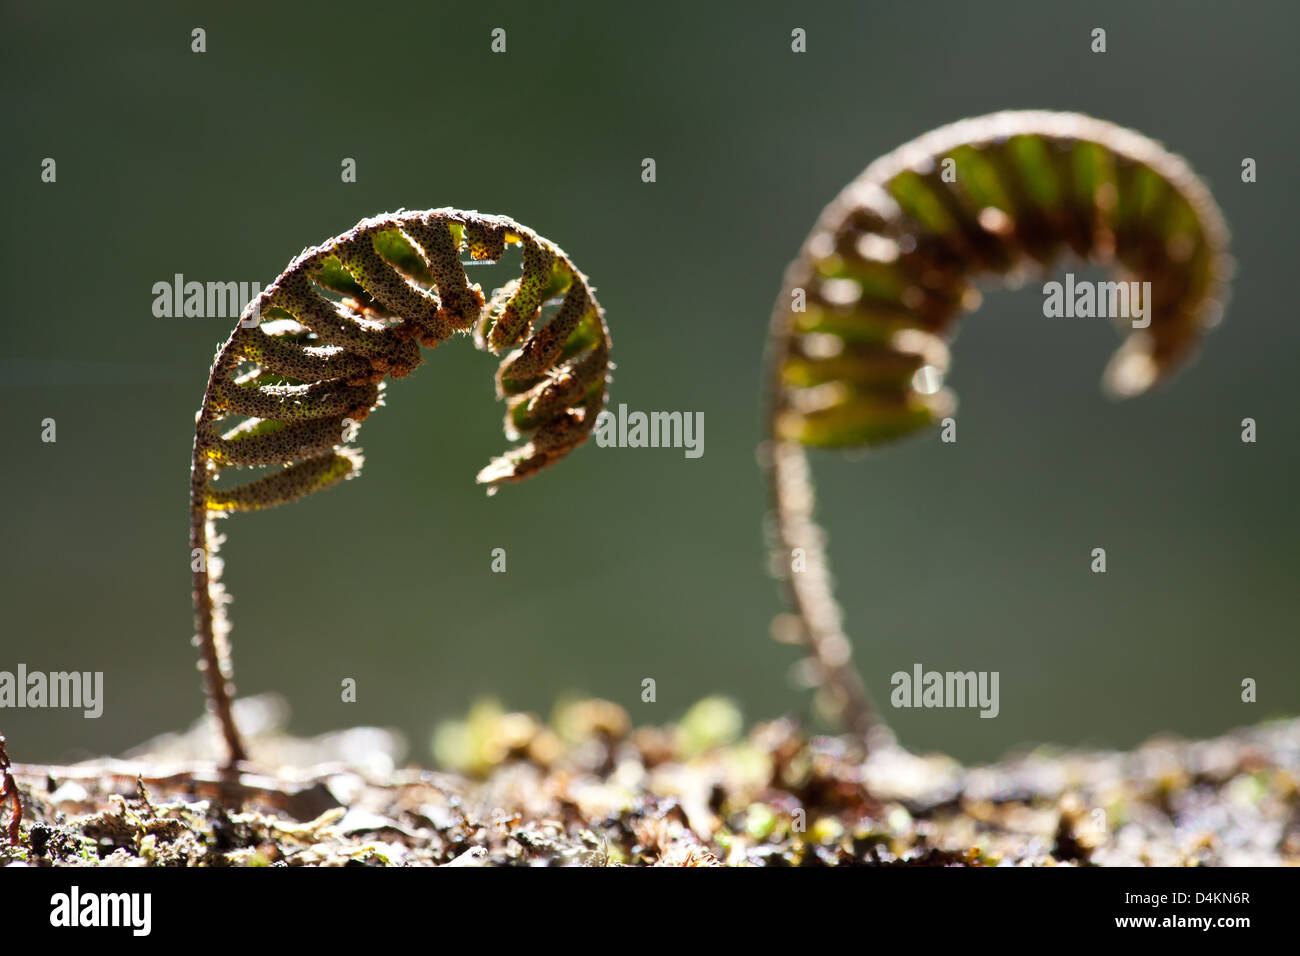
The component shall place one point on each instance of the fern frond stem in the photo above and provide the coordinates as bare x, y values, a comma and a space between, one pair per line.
810, 593
209, 635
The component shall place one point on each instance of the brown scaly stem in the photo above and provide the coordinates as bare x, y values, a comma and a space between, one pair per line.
209, 621
810, 594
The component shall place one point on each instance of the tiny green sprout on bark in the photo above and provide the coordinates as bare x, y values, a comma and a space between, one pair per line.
309, 358
858, 342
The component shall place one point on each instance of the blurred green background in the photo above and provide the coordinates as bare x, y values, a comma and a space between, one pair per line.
632, 563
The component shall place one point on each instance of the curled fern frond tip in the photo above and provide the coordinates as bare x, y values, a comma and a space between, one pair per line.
857, 348
892, 260
318, 363
308, 361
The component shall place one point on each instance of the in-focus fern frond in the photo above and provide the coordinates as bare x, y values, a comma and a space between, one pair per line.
857, 346
303, 368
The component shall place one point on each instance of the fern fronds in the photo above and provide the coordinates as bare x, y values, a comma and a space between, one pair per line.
857, 347
304, 369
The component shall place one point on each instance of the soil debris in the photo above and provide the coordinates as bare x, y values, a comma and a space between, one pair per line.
587, 788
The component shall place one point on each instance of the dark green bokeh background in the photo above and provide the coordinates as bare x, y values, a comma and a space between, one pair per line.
626, 564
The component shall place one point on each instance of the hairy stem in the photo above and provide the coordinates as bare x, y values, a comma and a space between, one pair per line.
209, 617
819, 621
